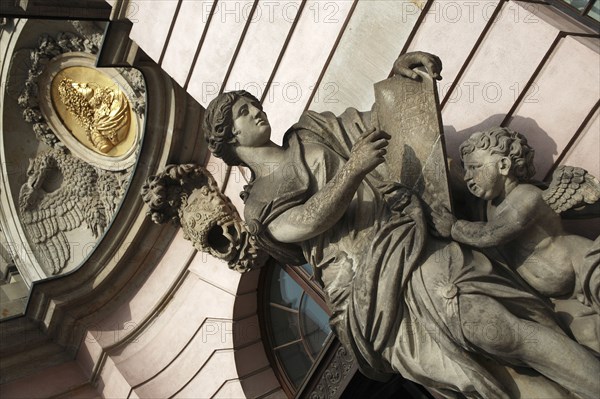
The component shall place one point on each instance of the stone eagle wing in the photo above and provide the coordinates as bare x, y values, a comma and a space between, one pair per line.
46, 225
571, 187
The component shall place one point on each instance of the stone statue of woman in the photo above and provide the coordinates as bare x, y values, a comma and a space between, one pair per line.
402, 300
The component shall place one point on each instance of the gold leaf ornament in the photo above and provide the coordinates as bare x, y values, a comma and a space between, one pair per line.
102, 111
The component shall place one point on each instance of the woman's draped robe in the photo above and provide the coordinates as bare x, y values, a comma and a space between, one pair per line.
392, 288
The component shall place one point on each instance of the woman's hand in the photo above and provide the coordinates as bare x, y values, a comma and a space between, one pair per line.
327, 206
405, 64
368, 151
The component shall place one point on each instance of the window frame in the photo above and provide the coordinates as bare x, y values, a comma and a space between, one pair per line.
582, 16
311, 288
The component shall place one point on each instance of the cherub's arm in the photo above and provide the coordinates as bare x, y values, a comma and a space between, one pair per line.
518, 212
329, 204
486, 234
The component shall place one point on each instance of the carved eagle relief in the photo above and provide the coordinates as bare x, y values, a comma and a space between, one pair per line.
62, 192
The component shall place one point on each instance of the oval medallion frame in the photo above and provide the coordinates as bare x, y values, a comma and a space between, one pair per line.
124, 158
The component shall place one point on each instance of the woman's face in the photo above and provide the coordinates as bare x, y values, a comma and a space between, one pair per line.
251, 127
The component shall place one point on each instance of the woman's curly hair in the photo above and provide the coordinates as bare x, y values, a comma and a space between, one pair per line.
218, 125
505, 142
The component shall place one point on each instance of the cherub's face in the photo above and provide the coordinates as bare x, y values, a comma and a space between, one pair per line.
251, 127
485, 173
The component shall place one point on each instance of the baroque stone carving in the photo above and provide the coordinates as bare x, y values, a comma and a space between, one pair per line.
48, 48
88, 41
102, 111
337, 371
136, 80
188, 196
92, 36
60, 194
571, 187
416, 154
522, 220
63, 192
403, 300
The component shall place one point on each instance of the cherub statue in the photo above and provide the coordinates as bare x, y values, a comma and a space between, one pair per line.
402, 301
521, 223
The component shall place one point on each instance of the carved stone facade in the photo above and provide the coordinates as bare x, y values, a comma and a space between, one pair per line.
48, 48
333, 379
115, 316
382, 267
67, 196
188, 196
60, 194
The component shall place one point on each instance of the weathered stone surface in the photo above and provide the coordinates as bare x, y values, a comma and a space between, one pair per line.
523, 225
386, 276
187, 195
409, 111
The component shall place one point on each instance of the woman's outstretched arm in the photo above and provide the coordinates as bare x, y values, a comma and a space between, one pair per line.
329, 204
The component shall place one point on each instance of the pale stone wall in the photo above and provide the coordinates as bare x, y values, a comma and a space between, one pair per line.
187, 324
192, 322
491, 50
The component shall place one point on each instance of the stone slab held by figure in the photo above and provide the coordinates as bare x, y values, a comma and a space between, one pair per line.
402, 298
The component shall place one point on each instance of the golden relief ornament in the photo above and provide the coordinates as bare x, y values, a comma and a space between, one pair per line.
102, 111
92, 111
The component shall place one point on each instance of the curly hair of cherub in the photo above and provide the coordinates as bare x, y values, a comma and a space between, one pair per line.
218, 125
164, 192
505, 142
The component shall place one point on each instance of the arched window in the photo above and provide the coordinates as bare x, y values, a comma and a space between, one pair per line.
297, 336
295, 321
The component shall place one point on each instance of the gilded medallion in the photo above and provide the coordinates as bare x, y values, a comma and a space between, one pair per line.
94, 109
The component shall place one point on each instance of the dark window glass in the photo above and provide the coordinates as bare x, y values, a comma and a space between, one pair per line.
595, 11
589, 8
296, 321
307, 268
578, 4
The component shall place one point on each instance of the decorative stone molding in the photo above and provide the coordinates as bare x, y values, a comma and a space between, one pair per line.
55, 54
89, 137
47, 49
46, 228
84, 194
333, 380
61, 311
188, 196
132, 247
136, 82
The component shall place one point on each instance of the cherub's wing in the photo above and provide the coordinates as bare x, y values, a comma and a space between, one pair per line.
571, 187
46, 226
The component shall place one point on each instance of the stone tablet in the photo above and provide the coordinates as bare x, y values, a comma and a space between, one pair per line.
409, 111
